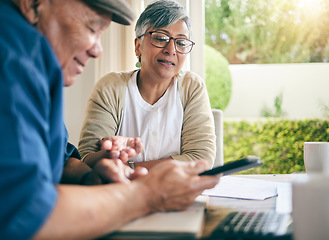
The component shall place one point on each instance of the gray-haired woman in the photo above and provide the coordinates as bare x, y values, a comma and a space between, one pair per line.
165, 107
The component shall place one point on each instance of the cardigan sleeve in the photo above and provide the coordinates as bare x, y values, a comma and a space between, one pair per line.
104, 110
198, 139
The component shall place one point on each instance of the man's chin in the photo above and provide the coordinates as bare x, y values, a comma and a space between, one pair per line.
69, 80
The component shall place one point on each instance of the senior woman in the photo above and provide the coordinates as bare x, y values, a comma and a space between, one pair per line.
167, 109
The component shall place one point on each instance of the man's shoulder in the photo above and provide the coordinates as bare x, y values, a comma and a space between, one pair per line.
19, 38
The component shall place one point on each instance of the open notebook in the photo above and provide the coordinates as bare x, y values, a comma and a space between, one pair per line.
167, 225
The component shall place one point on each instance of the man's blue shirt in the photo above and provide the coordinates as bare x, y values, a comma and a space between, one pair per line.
32, 140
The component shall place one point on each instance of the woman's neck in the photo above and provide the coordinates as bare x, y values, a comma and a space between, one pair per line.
150, 88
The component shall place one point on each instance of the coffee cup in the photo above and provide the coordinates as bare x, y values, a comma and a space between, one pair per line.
316, 157
310, 196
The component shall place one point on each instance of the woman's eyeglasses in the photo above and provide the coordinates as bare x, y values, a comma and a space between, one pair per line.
161, 40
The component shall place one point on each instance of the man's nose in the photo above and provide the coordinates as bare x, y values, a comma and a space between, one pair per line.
96, 50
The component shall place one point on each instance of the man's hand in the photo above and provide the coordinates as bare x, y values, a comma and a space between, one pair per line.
112, 171
174, 185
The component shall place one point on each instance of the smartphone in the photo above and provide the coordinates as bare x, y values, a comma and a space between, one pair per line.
235, 166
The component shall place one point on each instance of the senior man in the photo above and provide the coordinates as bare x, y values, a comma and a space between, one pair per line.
44, 45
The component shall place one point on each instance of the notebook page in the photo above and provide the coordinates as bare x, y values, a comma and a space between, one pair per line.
243, 188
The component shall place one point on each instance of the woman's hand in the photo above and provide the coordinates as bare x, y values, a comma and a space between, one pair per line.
123, 148
115, 147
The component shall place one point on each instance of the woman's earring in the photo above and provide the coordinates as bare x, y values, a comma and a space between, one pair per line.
138, 64
180, 73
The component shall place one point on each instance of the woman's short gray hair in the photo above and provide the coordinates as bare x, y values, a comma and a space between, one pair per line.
160, 14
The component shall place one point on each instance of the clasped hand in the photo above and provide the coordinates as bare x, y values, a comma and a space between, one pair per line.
122, 148
109, 164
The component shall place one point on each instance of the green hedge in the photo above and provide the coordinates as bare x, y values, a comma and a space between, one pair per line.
278, 142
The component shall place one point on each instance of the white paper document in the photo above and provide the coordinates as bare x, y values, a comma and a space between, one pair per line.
284, 200
243, 188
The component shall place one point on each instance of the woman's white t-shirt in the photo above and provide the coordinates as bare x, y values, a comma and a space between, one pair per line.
159, 125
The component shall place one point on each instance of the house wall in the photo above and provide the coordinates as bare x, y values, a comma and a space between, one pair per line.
305, 89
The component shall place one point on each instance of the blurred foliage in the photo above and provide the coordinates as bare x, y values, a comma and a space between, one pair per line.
269, 31
324, 107
278, 111
218, 78
278, 142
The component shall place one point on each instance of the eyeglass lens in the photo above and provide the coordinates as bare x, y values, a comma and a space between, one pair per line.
161, 40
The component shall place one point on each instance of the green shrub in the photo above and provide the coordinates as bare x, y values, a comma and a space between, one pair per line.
278, 142
218, 78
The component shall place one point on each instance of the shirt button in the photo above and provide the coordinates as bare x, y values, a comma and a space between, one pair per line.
154, 133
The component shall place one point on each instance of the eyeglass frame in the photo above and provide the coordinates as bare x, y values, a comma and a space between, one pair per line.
151, 32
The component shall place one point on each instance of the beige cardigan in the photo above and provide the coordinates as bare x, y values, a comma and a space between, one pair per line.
105, 106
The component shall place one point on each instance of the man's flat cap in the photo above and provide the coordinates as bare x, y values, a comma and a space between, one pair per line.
120, 9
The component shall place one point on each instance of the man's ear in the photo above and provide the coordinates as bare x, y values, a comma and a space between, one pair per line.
29, 9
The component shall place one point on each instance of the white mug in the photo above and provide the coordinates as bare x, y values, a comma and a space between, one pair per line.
316, 157
310, 198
